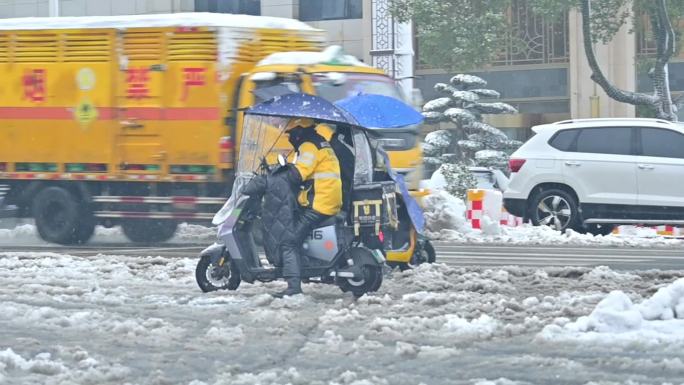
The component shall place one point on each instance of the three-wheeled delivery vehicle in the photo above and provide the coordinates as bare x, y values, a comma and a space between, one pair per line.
346, 250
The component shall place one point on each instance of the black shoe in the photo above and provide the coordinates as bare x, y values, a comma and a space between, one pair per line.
294, 287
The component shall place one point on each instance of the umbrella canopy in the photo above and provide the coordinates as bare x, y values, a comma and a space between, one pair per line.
299, 105
379, 111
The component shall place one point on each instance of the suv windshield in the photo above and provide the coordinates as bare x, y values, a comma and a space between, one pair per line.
335, 86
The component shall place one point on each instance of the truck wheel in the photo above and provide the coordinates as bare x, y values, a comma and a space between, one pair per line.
86, 227
149, 230
58, 216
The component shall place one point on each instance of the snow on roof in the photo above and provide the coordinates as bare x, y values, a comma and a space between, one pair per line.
190, 19
330, 55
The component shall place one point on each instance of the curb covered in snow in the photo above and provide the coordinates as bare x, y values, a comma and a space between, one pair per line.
446, 221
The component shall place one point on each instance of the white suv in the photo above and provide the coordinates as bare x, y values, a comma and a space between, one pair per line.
591, 174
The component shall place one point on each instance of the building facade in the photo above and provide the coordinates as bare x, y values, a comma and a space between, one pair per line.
547, 77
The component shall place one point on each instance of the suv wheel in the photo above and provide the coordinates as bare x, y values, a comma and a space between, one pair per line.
554, 208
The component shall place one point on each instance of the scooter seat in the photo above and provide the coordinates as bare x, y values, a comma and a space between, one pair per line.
332, 221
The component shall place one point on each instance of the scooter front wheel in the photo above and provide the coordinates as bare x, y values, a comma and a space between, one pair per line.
211, 276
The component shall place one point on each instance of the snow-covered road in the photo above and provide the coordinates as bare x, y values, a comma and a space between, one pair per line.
93, 319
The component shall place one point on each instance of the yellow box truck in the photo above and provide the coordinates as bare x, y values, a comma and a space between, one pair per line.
132, 120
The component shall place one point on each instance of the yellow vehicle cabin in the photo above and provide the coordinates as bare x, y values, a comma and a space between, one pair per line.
333, 75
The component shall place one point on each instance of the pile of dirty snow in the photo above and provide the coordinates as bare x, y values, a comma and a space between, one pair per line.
444, 211
544, 235
617, 320
95, 319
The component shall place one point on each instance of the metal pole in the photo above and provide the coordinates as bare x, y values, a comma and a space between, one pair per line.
54, 8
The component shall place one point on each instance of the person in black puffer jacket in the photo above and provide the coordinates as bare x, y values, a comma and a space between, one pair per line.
297, 197
278, 210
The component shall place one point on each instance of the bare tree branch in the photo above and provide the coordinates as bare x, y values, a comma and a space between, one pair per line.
657, 73
667, 30
664, 34
634, 98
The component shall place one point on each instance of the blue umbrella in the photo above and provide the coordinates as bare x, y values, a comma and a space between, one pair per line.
379, 111
299, 105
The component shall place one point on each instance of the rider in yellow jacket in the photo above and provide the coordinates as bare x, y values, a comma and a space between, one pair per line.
317, 172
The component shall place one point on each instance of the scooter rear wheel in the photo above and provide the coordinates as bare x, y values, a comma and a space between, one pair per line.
212, 277
424, 254
371, 281
371, 273
430, 252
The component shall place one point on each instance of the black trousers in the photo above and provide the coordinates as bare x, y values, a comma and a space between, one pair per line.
291, 249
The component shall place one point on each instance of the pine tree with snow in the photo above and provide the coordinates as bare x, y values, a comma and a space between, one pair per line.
468, 140
458, 179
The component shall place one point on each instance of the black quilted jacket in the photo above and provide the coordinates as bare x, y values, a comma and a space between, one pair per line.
279, 208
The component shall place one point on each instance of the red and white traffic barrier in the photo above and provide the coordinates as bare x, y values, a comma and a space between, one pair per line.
481, 203
510, 220
664, 230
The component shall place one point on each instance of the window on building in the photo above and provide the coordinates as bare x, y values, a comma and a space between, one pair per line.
662, 143
246, 7
314, 10
605, 140
645, 38
534, 39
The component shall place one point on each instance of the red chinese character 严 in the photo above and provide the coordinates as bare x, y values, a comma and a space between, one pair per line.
192, 77
137, 80
34, 85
